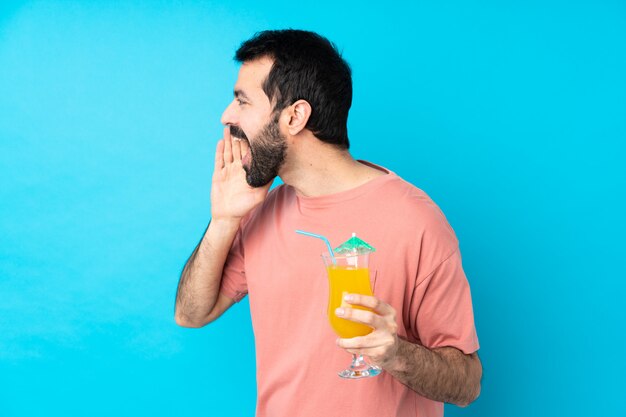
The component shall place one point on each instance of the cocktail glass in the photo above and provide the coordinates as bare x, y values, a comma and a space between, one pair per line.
349, 274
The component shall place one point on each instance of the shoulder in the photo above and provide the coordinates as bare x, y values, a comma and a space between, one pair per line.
403, 196
399, 194
401, 199
417, 216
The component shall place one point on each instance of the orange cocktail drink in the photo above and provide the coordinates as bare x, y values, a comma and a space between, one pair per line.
348, 273
347, 279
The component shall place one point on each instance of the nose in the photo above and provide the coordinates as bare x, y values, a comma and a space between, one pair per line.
229, 117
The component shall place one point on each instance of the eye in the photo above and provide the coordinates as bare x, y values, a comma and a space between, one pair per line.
240, 101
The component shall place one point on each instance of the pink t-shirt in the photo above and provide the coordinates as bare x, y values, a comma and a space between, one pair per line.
416, 268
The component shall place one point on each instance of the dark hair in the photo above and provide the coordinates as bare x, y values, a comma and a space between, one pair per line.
308, 67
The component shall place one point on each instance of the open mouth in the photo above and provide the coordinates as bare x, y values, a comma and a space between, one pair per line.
237, 134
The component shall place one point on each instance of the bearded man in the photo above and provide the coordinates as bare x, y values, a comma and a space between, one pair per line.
288, 118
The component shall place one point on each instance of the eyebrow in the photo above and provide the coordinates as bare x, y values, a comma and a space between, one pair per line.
240, 93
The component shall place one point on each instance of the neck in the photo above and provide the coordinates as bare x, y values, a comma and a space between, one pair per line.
315, 168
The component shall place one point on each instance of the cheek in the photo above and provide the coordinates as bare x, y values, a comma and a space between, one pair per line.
253, 123
250, 129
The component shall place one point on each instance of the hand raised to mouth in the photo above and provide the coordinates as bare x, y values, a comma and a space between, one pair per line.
231, 196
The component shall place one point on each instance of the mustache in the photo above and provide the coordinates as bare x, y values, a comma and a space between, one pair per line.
236, 132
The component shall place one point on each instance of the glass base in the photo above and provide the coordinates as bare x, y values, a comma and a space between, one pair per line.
360, 369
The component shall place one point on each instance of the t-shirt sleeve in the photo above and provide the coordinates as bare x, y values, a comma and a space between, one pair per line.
441, 308
234, 284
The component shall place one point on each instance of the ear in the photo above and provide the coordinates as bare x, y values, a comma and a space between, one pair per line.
299, 113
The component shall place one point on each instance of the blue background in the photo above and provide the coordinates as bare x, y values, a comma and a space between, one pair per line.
511, 115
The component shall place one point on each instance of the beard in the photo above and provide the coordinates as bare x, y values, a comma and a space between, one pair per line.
267, 153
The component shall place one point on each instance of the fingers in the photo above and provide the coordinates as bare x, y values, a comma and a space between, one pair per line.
231, 149
235, 145
236, 149
374, 303
381, 344
361, 316
228, 146
219, 154
371, 341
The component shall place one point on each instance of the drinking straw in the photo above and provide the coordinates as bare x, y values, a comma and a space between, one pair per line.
330, 248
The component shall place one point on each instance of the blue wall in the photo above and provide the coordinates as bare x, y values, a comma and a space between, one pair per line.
511, 115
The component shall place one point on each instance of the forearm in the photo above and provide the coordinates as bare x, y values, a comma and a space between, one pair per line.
444, 374
199, 284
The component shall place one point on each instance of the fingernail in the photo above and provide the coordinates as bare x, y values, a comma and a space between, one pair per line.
348, 297
339, 312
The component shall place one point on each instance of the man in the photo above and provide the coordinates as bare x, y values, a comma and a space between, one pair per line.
288, 119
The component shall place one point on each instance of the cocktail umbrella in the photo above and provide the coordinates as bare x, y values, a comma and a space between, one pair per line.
354, 246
